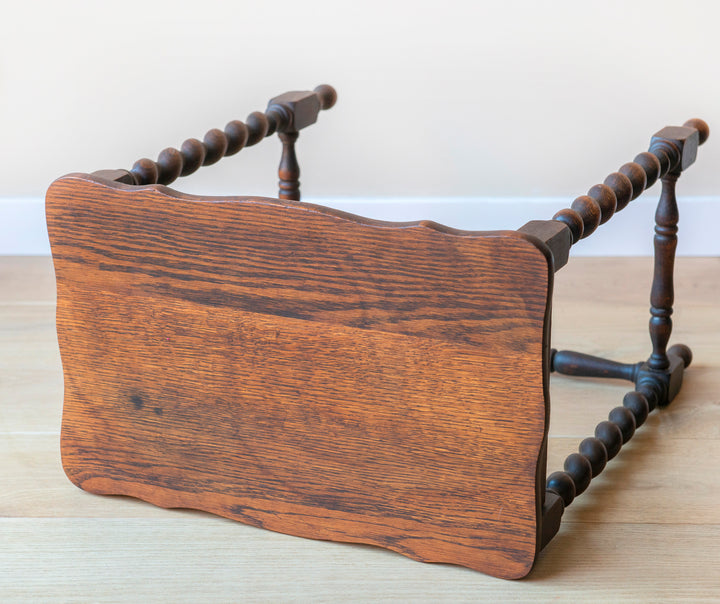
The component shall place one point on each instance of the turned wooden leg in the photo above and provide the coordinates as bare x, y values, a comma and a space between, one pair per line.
289, 170
579, 364
662, 293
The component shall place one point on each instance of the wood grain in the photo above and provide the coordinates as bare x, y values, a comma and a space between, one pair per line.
616, 543
304, 370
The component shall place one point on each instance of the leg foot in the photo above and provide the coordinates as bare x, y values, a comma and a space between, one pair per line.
682, 351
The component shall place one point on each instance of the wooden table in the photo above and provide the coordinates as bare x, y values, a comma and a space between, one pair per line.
648, 528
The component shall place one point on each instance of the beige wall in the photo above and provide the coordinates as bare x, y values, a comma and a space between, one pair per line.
467, 98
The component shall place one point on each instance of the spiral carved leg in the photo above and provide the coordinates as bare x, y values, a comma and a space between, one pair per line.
287, 113
610, 436
591, 459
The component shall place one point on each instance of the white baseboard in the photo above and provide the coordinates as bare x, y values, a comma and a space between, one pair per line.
23, 231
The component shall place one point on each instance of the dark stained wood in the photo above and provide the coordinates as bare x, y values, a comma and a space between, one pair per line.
662, 292
573, 221
288, 112
650, 165
658, 380
698, 124
552, 234
622, 187
590, 211
289, 169
328, 97
637, 177
296, 110
672, 149
305, 370
568, 362
680, 144
606, 200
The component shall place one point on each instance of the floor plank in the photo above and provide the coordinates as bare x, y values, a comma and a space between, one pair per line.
192, 558
646, 470
27, 280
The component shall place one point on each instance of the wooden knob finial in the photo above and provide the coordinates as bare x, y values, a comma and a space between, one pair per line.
700, 126
326, 94
683, 352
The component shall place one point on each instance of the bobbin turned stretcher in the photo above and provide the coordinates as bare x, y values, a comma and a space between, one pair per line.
320, 374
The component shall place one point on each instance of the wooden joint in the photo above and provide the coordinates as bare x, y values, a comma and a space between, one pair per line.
293, 111
555, 235
296, 109
680, 142
665, 383
552, 512
280, 119
123, 176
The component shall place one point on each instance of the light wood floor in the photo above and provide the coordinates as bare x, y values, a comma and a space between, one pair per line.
647, 529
